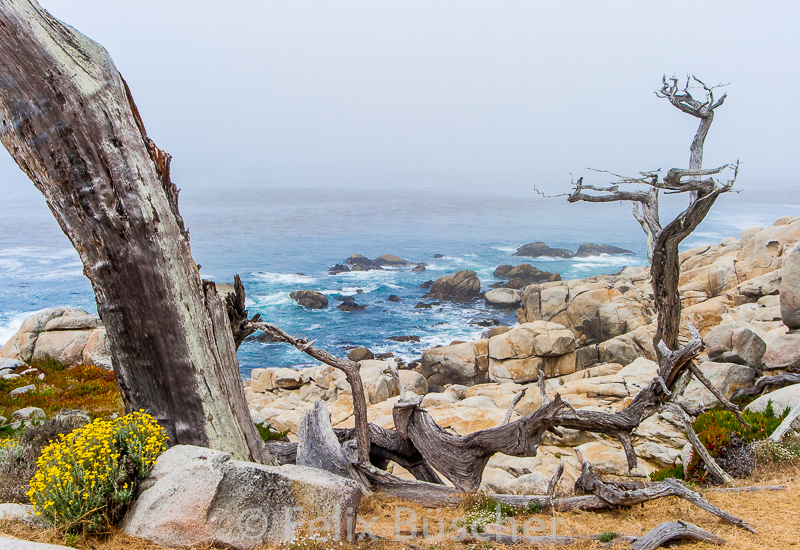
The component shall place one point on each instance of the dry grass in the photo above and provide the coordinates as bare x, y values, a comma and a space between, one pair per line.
774, 514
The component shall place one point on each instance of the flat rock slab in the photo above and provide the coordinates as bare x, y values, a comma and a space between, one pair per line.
17, 512
17, 544
200, 496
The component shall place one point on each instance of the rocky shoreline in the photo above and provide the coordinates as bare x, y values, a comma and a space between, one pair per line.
592, 339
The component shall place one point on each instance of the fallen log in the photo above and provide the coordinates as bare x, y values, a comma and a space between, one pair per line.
590, 483
674, 530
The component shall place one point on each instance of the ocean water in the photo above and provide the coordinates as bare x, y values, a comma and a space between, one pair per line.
284, 235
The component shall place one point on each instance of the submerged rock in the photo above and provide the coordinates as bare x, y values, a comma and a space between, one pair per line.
350, 306
541, 249
522, 275
339, 268
590, 249
310, 299
391, 260
357, 262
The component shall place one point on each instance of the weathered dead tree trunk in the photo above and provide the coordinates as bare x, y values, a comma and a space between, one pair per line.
663, 242
69, 121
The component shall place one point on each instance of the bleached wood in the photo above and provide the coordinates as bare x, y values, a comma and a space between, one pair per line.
674, 530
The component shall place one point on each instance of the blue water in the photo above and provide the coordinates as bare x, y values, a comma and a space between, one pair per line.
269, 231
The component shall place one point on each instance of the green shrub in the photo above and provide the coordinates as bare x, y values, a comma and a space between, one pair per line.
675, 472
608, 536
715, 428
533, 507
268, 433
86, 478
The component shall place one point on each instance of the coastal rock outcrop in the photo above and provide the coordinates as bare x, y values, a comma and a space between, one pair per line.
542, 250
310, 299
70, 336
200, 496
357, 262
590, 249
461, 286
391, 260
519, 354
522, 275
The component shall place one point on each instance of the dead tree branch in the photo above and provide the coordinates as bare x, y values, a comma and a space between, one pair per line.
350, 368
780, 380
711, 465
727, 405
669, 487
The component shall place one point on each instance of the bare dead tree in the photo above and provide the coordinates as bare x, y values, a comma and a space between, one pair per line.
69, 121
703, 190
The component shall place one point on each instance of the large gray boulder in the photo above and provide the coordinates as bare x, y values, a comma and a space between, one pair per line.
782, 399
790, 290
783, 351
17, 512
736, 343
503, 297
200, 496
461, 286
726, 377
466, 363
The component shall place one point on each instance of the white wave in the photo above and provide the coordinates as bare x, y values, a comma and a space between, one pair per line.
10, 265
58, 274
39, 252
593, 266
506, 248
274, 299
10, 327
353, 290
283, 278
452, 259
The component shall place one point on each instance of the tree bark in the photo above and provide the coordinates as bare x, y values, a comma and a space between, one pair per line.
69, 121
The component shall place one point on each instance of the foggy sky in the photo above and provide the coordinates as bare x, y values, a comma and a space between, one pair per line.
446, 90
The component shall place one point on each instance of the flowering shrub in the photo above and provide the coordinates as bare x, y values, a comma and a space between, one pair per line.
88, 475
